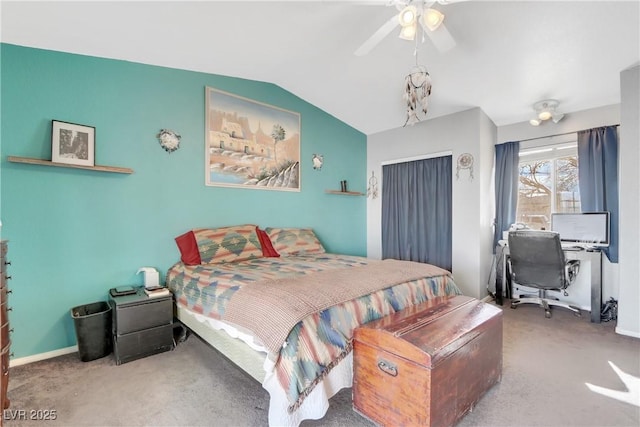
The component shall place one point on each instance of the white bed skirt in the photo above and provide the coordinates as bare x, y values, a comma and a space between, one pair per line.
249, 356
315, 405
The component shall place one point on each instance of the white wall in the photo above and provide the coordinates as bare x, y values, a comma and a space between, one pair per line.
471, 132
572, 122
473, 201
629, 297
488, 134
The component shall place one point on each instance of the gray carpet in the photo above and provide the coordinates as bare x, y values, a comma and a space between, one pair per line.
546, 365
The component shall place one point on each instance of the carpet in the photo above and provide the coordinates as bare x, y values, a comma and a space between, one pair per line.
547, 363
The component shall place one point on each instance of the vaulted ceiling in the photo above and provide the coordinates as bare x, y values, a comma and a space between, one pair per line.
509, 54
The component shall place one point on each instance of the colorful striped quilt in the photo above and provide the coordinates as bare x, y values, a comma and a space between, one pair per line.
320, 340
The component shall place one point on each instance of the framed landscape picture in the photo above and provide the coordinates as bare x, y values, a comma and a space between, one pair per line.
249, 144
72, 144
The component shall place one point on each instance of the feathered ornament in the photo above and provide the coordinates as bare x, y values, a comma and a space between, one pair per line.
318, 160
169, 140
417, 88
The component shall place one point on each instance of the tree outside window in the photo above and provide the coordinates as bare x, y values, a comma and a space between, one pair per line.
547, 185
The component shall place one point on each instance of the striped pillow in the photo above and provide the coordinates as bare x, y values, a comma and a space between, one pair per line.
294, 241
228, 244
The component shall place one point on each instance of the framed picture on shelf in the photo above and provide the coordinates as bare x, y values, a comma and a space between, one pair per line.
72, 144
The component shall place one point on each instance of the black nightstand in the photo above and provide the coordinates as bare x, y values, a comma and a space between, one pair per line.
142, 326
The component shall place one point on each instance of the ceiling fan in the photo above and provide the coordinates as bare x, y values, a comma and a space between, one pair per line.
414, 14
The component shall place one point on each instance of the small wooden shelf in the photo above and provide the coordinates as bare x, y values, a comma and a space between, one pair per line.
344, 193
31, 161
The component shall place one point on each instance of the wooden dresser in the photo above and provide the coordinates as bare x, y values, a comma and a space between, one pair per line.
5, 341
429, 364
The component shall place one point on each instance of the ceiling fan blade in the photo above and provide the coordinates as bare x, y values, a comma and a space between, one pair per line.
377, 37
440, 37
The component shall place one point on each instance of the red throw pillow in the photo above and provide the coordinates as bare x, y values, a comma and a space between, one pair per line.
265, 242
188, 247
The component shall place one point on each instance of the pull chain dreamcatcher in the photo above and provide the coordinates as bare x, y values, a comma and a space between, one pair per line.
417, 86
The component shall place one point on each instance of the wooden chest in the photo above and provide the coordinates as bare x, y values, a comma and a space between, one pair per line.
427, 365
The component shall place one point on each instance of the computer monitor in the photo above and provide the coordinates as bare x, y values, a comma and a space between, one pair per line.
589, 228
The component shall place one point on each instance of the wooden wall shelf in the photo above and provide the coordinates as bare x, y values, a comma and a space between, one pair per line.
31, 161
344, 193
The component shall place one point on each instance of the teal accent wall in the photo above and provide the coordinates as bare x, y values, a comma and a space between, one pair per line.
74, 234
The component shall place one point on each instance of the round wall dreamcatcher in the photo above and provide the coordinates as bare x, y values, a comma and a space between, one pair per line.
465, 161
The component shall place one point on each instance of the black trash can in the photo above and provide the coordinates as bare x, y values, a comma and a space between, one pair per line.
93, 330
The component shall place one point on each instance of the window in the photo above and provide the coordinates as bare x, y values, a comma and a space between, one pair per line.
548, 183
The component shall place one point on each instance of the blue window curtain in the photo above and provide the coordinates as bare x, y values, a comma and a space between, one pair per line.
598, 176
506, 186
417, 211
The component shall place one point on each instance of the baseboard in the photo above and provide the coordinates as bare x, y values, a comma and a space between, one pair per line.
633, 334
42, 356
488, 298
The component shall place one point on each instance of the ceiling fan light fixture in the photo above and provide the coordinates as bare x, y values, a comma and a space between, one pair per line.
408, 16
432, 19
417, 20
408, 32
535, 121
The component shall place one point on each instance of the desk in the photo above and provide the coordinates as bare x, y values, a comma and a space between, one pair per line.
595, 257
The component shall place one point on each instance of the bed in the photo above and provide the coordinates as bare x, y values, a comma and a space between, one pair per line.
283, 310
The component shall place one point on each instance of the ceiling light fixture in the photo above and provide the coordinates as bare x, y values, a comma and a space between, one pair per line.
546, 110
408, 32
414, 17
408, 19
557, 117
408, 16
432, 18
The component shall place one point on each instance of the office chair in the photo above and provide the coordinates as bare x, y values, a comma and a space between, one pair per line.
537, 260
